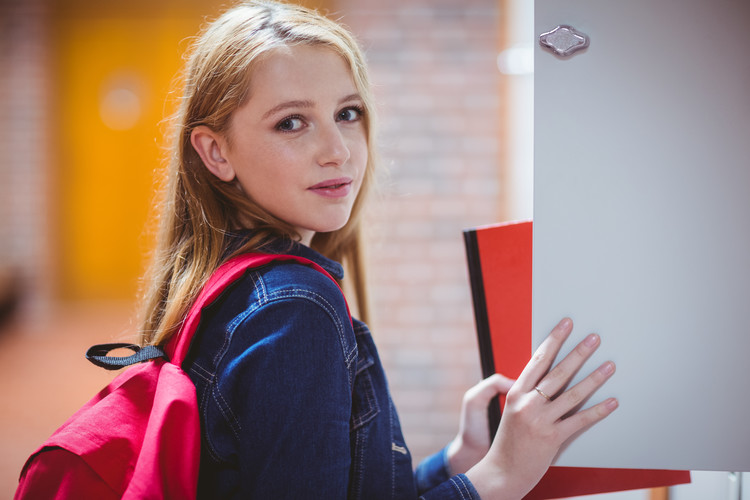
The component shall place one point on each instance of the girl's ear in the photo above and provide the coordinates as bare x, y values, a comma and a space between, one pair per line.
210, 146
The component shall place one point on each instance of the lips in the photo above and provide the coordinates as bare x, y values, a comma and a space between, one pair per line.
333, 188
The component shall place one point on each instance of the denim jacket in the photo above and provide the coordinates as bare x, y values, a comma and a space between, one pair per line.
293, 399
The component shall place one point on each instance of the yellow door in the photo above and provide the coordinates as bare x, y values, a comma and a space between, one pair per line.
115, 70
116, 64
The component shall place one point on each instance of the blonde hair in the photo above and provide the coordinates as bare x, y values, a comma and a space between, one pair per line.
198, 209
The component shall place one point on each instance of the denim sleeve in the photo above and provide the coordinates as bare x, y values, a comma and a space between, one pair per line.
287, 387
434, 481
456, 488
432, 471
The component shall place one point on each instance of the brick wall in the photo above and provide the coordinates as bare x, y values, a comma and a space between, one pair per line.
24, 178
433, 64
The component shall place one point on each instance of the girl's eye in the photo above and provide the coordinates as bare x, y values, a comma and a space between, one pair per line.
290, 124
350, 114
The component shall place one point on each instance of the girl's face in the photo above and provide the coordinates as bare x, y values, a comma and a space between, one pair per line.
298, 146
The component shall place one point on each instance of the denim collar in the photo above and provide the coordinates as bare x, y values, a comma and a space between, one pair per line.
284, 246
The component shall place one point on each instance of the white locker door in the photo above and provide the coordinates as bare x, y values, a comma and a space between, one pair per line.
642, 222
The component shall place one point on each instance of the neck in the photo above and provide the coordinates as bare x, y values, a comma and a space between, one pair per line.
306, 237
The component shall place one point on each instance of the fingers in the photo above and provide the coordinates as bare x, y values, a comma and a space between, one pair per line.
579, 393
564, 411
484, 391
560, 375
542, 359
588, 417
547, 382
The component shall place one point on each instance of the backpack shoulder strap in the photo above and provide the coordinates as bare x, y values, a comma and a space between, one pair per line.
225, 275
177, 348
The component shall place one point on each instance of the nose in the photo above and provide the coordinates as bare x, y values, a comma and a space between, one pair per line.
333, 150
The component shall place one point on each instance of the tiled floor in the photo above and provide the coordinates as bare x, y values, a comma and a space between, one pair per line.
44, 376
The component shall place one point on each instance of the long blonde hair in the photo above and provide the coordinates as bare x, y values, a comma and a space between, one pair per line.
198, 210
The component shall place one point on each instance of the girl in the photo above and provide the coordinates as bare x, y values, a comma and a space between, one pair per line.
274, 153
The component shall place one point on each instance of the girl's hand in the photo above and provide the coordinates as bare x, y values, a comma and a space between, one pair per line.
540, 415
473, 439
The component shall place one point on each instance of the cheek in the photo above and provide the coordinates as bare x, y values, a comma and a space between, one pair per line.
358, 150
264, 164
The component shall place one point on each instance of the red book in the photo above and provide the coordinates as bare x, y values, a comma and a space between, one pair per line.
500, 267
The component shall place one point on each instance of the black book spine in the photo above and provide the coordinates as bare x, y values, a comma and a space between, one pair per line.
481, 320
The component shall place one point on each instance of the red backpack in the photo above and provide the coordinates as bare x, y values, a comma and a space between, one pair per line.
139, 438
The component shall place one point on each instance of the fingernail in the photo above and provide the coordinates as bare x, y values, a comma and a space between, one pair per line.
607, 368
611, 404
591, 340
565, 323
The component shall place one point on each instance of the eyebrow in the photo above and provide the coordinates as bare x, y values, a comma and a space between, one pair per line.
305, 104
287, 105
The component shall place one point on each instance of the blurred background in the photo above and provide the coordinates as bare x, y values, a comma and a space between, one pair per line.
85, 90
83, 95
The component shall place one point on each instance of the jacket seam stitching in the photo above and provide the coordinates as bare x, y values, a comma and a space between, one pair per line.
265, 298
313, 297
461, 487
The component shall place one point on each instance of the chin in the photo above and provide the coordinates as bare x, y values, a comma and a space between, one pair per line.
332, 224
331, 229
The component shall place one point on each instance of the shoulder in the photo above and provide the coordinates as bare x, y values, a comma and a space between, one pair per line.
288, 275
296, 312
289, 280
281, 304
284, 279
292, 292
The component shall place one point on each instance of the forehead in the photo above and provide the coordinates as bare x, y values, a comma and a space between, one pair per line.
308, 72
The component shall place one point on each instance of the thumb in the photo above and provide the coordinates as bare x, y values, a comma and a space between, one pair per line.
484, 391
